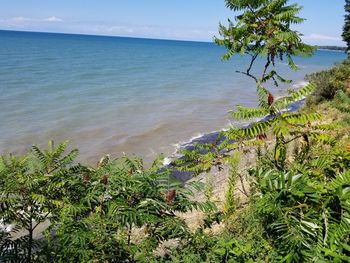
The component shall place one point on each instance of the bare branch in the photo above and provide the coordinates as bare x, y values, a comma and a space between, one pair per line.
266, 67
254, 57
40, 221
248, 74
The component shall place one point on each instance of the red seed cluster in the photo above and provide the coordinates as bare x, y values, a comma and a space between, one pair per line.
270, 99
261, 136
104, 180
171, 196
86, 179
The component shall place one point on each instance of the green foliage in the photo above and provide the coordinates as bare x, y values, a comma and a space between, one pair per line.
116, 212
330, 82
230, 203
342, 102
243, 113
297, 214
204, 156
299, 207
263, 29
346, 28
32, 189
222, 248
304, 211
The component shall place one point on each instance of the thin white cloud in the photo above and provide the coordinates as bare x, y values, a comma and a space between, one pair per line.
150, 31
108, 30
321, 37
20, 21
53, 19
16, 22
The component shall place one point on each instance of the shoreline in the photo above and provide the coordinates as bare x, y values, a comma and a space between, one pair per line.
211, 138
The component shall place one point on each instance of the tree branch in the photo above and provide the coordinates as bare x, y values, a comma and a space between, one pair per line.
247, 73
41, 221
242, 184
254, 57
297, 137
266, 67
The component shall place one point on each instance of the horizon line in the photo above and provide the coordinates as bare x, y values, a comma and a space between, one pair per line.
111, 36
132, 37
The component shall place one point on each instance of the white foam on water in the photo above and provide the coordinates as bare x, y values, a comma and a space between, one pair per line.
181, 144
167, 161
300, 84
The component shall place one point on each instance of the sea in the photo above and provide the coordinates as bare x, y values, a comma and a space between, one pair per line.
117, 95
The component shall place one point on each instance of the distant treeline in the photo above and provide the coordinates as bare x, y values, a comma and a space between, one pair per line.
332, 48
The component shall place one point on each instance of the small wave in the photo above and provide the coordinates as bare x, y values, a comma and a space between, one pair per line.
167, 161
196, 137
147, 134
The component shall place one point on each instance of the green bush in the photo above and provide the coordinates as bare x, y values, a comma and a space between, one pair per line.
305, 209
116, 212
329, 82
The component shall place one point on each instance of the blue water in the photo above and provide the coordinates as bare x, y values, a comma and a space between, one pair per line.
115, 95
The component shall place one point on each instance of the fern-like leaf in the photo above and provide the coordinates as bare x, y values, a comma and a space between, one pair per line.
244, 113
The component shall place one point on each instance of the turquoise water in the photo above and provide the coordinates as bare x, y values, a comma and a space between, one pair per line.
115, 95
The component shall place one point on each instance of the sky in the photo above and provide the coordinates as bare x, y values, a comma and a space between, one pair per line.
177, 19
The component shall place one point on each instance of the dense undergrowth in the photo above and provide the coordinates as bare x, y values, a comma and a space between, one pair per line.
330, 82
300, 213
298, 191
116, 212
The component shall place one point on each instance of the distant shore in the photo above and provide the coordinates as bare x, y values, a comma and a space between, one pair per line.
332, 48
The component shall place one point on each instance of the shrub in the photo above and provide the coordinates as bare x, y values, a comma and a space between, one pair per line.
329, 82
116, 212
